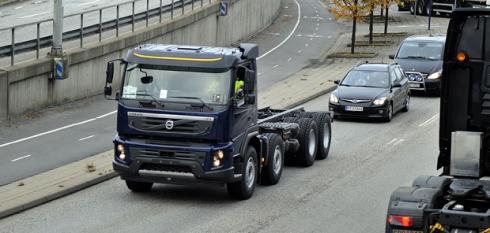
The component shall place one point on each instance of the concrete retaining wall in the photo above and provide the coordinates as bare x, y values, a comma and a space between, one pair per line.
27, 87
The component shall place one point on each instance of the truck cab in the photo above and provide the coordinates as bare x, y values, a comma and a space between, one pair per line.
188, 114
459, 199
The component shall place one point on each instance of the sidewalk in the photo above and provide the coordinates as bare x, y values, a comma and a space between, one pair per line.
309, 83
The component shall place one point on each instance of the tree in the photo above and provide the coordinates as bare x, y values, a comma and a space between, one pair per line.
351, 9
372, 4
387, 4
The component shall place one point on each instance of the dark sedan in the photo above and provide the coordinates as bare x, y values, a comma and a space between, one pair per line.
371, 91
421, 59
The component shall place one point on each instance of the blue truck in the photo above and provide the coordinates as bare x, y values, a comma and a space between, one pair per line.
188, 114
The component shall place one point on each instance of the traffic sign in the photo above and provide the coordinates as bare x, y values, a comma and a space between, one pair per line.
223, 9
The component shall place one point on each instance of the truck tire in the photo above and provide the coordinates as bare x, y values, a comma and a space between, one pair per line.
139, 187
306, 154
271, 173
244, 188
324, 134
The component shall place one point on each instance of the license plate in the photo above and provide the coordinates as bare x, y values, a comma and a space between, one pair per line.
354, 108
415, 85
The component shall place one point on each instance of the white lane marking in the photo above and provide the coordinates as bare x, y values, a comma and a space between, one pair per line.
289, 59
85, 138
318, 24
429, 121
300, 51
86, 3
56, 130
311, 38
306, 45
19, 7
259, 74
392, 141
316, 29
289, 36
34, 15
23, 157
398, 142
275, 66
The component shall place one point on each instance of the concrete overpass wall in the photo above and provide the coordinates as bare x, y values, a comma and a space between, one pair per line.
27, 87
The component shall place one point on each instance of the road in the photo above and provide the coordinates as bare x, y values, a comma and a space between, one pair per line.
84, 128
347, 192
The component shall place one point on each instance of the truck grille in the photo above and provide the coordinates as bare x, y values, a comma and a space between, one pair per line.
168, 123
155, 153
485, 108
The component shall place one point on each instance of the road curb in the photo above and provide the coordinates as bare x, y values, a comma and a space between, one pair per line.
3, 3
54, 196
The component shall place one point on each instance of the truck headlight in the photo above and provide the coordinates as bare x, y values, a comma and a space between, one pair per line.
122, 154
334, 99
380, 101
436, 75
218, 157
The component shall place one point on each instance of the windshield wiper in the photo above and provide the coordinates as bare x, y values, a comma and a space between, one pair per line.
153, 99
203, 104
415, 57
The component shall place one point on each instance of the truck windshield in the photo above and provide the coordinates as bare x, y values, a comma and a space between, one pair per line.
148, 83
421, 50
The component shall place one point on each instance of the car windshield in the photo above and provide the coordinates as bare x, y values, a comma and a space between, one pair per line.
421, 50
150, 83
366, 78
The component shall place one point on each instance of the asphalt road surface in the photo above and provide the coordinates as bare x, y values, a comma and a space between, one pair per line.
58, 136
347, 192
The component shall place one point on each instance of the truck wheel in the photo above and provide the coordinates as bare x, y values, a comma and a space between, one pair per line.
324, 134
306, 154
244, 188
139, 187
271, 173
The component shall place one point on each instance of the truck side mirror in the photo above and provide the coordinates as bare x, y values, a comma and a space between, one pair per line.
392, 56
108, 90
109, 72
249, 81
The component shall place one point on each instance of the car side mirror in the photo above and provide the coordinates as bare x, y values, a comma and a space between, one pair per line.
396, 85
391, 56
336, 82
109, 73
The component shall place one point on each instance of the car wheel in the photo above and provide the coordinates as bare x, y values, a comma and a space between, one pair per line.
139, 187
389, 115
406, 107
306, 154
271, 173
244, 188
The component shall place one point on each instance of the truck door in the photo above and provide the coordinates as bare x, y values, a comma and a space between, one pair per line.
245, 104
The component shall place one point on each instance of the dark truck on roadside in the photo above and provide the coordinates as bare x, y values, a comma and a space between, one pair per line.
442, 7
188, 114
458, 200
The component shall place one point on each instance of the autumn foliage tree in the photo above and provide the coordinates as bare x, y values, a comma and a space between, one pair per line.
351, 9
386, 4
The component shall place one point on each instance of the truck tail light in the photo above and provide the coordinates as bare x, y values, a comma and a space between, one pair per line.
461, 57
404, 221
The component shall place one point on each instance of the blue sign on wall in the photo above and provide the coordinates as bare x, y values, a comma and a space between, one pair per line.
223, 9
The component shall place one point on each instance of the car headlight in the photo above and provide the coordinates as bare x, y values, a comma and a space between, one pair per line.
334, 99
436, 75
380, 101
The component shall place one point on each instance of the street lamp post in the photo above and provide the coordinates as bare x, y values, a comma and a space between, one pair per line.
57, 48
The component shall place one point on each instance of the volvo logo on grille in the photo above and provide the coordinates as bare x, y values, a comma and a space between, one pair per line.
169, 124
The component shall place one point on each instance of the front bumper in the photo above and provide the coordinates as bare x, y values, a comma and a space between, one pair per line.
428, 85
367, 111
167, 167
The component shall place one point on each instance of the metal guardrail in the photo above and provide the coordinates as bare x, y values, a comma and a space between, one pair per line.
177, 6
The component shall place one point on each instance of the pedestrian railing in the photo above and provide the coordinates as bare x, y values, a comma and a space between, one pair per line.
118, 17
